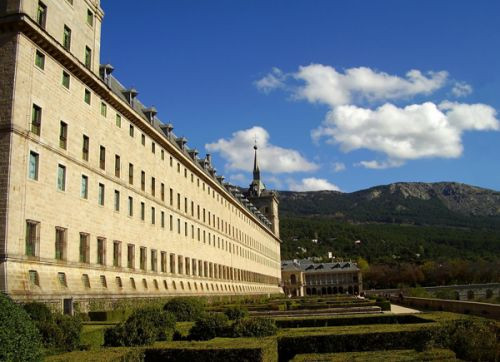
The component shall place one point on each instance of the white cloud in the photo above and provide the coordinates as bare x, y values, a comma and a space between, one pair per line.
324, 84
338, 167
273, 80
376, 165
415, 131
461, 89
312, 184
239, 178
238, 153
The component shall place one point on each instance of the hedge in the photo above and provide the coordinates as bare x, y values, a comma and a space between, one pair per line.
350, 321
289, 346
118, 315
445, 355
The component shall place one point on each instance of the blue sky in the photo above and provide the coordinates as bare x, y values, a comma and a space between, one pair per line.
339, 94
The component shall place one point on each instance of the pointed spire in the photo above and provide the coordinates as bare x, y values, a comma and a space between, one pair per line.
256, 171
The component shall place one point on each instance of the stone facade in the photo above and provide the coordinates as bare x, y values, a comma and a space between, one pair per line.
302, 277
98, 198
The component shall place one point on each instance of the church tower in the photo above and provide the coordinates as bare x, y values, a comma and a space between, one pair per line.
266, 201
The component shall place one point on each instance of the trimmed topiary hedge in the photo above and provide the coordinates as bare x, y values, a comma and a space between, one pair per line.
209, 326
118, 315
143, 327
19, 337
289, 346
236, 312
350, 321
444, 355
185, 309
254, 327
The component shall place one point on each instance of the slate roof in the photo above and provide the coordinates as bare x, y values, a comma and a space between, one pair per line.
309, 267
181, 144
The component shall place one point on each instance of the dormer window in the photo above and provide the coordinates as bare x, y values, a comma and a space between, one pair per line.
130, 95
150, 113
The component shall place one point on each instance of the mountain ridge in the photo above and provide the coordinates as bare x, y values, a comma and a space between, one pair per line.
438, 203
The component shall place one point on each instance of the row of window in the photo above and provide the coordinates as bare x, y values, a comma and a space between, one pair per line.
33, 170
34, 280
41, 19
172, 263
225, 227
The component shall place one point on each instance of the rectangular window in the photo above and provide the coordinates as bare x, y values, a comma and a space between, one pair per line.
34, 280
62, 279
131, 131
102, 157
85, 148
162, 155
119, 282
87, 97
61, 177
84, 248
67, 38
162, 191
88, 57
118, 120
84, 189
33, 166
36, 120
86, 281
63, 135
180, 264
90, 17
65, 79
153, 215
41, 14
32, 237
171, 197
172, 263
60, 244
101, 251
154, 261
153, 147
163, 262
130, 206
171, 223
143, 181
178, 201
40, 59
117, 200
117, 166
153, 186
143, 140
130, 173
117, 253
104, 284
130, 256
142, 258
143, 211
104, 109
162, 219
101, 195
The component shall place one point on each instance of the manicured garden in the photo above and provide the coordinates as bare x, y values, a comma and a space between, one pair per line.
191, 329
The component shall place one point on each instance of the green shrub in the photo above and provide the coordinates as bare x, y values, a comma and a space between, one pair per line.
185, 309
144, 326
209, 326
236, 312
471, 339
254, 327
70, 328
38, 311
19, 338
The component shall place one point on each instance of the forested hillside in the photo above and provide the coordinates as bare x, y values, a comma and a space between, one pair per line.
399, 228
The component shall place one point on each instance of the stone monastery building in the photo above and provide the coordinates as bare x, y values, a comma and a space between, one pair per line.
99, 198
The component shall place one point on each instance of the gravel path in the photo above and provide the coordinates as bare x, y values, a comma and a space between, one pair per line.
397, 309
